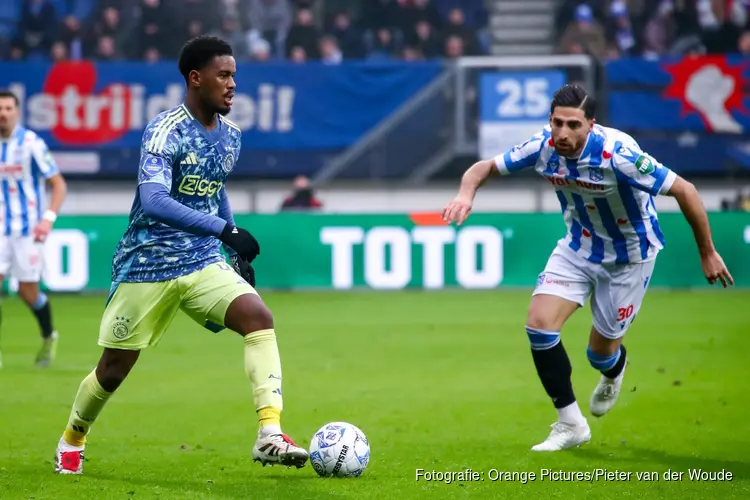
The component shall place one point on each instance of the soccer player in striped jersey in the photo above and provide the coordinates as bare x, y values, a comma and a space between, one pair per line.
605, 184
26, 167
169, 258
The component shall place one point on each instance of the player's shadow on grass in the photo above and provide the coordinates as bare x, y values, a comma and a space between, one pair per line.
224, 482
223, 487
675, 462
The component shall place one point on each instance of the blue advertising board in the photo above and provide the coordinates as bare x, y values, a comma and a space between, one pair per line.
284, 110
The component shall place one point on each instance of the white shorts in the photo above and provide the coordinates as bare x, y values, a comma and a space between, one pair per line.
22, 257
616, 291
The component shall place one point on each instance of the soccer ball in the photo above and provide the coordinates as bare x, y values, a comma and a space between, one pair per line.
339, 449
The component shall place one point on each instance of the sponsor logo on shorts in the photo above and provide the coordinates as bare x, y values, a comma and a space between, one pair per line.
120, 329
551, 281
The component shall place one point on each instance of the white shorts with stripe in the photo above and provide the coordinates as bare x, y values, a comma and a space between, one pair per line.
22, 258
616, 291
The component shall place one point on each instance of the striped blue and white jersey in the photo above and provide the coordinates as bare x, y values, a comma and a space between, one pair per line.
25, 164
606, 194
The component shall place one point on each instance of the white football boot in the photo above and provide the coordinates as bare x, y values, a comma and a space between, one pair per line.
68, 459
605, 394
279, 449
46, 354
564, 436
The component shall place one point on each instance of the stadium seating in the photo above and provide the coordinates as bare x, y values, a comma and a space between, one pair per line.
261, 30
616, 28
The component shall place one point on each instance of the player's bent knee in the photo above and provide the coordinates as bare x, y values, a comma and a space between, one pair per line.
549, 312
260, 318
605, 340
248, 314
541, 340
539, 319
29, 292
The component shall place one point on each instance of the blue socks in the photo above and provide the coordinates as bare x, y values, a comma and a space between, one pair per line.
43, 314
610, 366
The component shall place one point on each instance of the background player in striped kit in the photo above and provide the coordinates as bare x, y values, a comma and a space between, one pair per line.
25, 220
605, 185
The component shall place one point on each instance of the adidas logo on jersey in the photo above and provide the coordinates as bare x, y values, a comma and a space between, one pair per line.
190, 159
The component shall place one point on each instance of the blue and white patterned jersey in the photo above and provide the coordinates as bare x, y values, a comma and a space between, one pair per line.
193, 164
25, 165
606, 194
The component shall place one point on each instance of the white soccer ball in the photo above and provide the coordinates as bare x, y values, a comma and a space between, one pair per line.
339, 449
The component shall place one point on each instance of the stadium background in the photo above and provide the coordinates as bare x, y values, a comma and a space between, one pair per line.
381, 105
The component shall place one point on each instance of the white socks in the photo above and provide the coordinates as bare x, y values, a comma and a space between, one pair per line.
268, 430
571, 414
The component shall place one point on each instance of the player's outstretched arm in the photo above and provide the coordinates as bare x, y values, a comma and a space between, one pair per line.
241, 266
159, 205
514, 160
162, 143
459, 208
690, 202
225, 210
48, 169
59, 190
225, 213
642, 171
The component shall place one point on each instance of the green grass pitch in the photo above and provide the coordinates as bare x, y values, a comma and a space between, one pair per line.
439, 381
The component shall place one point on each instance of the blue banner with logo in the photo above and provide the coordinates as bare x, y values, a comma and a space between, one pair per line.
284, 110
692, 113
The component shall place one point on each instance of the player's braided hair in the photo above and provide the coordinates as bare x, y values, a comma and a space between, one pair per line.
574, 96
199, 51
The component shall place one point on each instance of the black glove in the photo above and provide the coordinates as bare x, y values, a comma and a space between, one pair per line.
243, 268
241, 242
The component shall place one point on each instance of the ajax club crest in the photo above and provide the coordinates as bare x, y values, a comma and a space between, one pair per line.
120, 328
228, 163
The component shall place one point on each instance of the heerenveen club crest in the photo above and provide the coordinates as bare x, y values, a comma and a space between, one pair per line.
596, 174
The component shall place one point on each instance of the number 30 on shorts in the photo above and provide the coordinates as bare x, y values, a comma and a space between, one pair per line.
624, 313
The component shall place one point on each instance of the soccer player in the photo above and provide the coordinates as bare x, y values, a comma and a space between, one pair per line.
605, 184
26, 166
169, 258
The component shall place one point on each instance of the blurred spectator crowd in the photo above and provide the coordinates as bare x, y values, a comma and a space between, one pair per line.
610, 29
739, 203
260, 30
